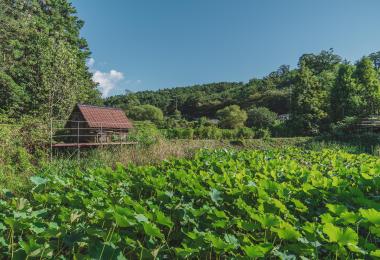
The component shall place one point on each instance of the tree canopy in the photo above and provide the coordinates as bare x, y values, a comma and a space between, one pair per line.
146, 112
232, 117
42, 53
261, 117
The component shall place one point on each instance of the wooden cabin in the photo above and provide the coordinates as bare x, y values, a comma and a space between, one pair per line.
94, 124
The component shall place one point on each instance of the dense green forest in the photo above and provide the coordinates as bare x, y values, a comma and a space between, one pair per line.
43, 69
323, 90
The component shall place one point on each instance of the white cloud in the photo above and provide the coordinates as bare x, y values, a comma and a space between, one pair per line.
107, 80
90, 62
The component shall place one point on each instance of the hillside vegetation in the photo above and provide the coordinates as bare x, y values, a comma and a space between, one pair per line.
323, 93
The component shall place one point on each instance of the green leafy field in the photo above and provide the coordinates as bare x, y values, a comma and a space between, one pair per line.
221, 204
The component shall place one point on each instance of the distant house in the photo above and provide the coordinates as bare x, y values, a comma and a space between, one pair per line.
93, 124
283, 117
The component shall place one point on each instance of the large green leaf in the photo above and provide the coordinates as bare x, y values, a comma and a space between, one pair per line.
37, 180
163, 220
259, 250
152, 230
372, 215
339, 235
287, 232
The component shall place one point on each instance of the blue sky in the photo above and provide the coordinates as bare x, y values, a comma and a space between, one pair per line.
151, 44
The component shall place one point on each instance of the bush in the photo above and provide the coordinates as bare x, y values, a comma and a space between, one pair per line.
208, 132
145, 133
231, 117
261, 117
245, 133
178, 133
263, 133
34, 134
228, 133
17, 164
347, 125
146, 112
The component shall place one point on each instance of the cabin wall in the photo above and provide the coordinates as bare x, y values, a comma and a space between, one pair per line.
91, 135
76, 121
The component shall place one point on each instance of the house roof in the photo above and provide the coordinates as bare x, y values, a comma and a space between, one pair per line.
104, 117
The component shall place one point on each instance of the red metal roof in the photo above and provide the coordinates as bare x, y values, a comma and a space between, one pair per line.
105, 117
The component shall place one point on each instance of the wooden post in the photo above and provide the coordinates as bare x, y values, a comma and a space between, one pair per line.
78, 142
101, 134
121, 143
51, 139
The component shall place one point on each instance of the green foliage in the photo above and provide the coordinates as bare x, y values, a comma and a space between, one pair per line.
318, 63
145, 133
245, 133
146, 112
369, 81
263, 133
208, 132
261, 117
346, 98
309, 101
17, 162
323, 90
345, 126
232, 117
12, 96
43, 58
221, 204
178, 133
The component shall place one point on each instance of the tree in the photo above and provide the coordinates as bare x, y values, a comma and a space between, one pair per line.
12, 96
308, 102
325, 60
375, 57
232, 117
42, 51
261, 117
368, 78
345, 96
146, 112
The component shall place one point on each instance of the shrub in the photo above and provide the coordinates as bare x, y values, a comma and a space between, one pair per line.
208, 132
347, 125
146, 112
263, 133
228, 133
232, 117
261, 117
145, 133
245, 133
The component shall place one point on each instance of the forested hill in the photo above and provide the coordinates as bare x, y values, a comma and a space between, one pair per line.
204, 100
322, 88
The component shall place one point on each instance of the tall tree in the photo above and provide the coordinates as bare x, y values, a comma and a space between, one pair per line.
308, 101
345, 98
325, 60
375, 57
368, 78
43, 53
